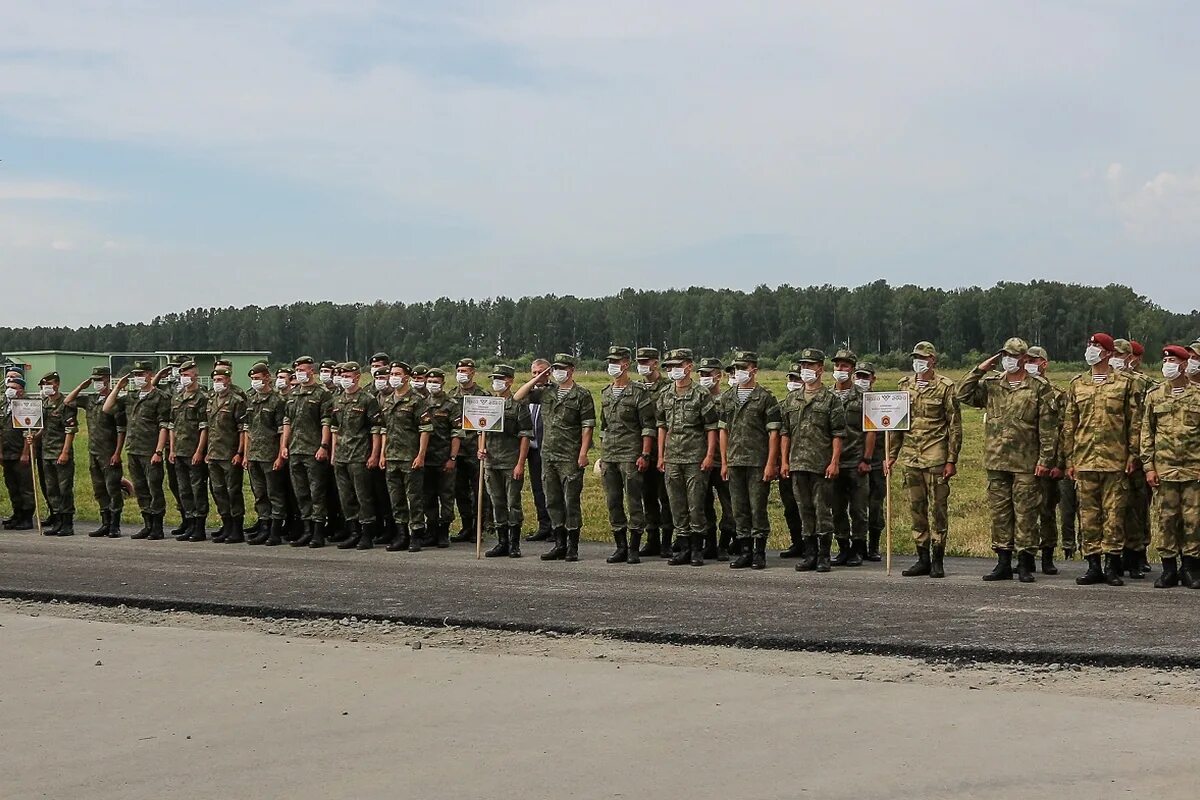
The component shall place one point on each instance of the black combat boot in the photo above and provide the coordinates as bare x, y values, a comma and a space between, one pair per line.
193, 530
1003, 570
182, 531
699, 547
858, 550
306, 533
844, 550
873, 547
105, 517
572, 546
416, 537
795, 549
669, 547
1048, 567
540, 535
811, 555
465, 534
621, 554
1191, 572
114, 525
501, 548
351, 541
219, 536
366, 539
514, 541
723, 545
937, 561
318, 535
745, 556
1170, 574
143, 531
156, 529
51, 524
1131, 560
1112, 569
923, 565
1068, 553
635, 541
1147, 567
1094, 572
442, 535
824, 545
387, 532
401, 539
559, 551
235, 534
1025, 567
258, 527
680, 556
760, 553
66, 525
653, 540
274, 533
710, 543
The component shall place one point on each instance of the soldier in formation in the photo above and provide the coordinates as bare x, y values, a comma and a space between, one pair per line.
502, 455
106, 439
628, 431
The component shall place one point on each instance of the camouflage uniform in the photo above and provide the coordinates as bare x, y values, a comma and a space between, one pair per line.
1170, 447
189, 419
686, 418
104, 431
308, 412
390, 517
226, 417
146, 414
748, 425
18, 477
717, 493
627, 418
503, 454
466, 473
1137, 519
355, 422
59, 421
445, 417
655, 499
404, 417
265, 413
851, 489
1058, 494
564, 419
876, 484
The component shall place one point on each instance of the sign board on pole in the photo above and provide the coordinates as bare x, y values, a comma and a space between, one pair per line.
26, 413
483, 413
886, 411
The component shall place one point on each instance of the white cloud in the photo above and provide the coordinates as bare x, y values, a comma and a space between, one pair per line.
62, 244
1165, 208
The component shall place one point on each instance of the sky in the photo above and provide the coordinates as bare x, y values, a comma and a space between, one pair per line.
158, 156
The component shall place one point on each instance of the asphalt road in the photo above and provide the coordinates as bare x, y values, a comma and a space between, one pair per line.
855, 610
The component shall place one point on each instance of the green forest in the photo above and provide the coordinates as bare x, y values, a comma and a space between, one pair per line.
877, 319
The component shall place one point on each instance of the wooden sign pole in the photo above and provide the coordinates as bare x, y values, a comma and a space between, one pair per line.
479, 499
37, 507
887, 502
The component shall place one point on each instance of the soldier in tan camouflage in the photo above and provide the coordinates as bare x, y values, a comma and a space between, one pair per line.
1170, 455
1101, 428
1057, 491
1137, 521
928, 451
1020, 445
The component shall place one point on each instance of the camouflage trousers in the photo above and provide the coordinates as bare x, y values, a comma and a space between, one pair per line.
173, 483
147, 478
1103, 500
876, 500
354, 490
1177, 504
850, 499
18, 481
563, 482
718, 495
791, 511
927, 487
406, 493
226, 482
505, 493
687, 486
59, 486
623, 486
269, 489
1137, 519
656, 501
1048, 488
748, 495
310, 482
383, 498
1014, 500
106, 484
1068, 510
191, 488
466, 484
814, 496
439, 493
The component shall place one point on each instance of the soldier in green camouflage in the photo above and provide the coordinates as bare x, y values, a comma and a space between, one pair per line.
1128, 359
1056, 489
357, 445
407, 426
187, 438
147, 411
748, 434
106, 437
811, 440
1170, 456
873, 453
466, 475
502, 456
306, 447
225, 453
657, 502
569, 417
445, 441
628, 430
1020, 445
168, 380
928, 451
16, 452
390, 519
265, 412
851, 487
57, 438
1101, 438
1192, 370
709, 371
417, 379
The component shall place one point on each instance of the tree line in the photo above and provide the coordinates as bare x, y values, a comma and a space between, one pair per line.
875, 318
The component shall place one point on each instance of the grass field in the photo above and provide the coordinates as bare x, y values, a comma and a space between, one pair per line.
969, 526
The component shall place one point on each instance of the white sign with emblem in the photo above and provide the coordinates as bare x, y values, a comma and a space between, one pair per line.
482, 413
26, 413
886, 411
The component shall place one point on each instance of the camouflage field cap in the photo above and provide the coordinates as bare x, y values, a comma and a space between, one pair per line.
465, 362
618, 353
1195, 347
811, 355
864, 368
186, 365
647, 354
420, 370
1122, 346
101, 372
49, 377
384, 357
303, 360
404, 365
144, 366
435, 372
1016, 347
329, 363
678, 356
924, 350
223, 362
285, 371
220, 372
743, 358
710, 364
503, 371
1037, 351
349, 366
258, 369
381, 372
564, 360
846, 355
794, 369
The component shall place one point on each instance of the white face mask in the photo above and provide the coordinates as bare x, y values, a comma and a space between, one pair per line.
1010, 364
808, 375
301, 377
462, 378
348, 383
1033, 369
558, 375
920, 366
841, 375
434, 387
740, 377
499, 385
676, 373
220, 387
186, 381
395, 381
97, 386
794, 385
643, 369
1117, 362
615, 370
707, 381
381, 383
257, 383
326, 376
281, 383
418, 384
1193, 366
47, 391
1170, 370
863, 384
10, 392
138, 381
1092, 355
